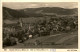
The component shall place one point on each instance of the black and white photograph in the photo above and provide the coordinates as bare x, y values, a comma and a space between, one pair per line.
40, 25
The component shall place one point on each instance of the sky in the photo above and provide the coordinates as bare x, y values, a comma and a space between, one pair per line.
22, 5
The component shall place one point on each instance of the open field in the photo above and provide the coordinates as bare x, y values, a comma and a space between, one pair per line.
64, 40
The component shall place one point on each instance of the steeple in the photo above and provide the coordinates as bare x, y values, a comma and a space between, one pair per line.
21, 22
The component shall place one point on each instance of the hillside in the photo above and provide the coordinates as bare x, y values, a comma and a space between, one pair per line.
11, 14
62, 40
37, 12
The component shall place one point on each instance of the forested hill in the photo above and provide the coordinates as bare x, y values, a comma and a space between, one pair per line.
37, 12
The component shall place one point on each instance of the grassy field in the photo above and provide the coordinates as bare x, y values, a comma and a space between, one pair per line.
58, 41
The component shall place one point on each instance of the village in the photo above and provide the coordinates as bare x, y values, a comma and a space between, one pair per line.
21, 32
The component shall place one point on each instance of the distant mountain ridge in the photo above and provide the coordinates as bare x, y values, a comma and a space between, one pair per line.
37, 12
